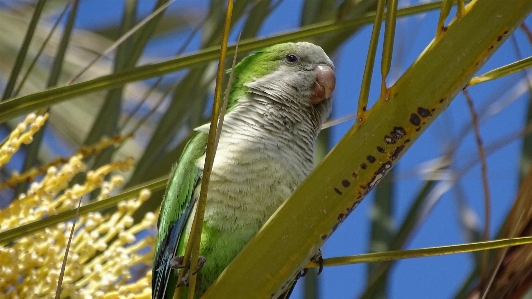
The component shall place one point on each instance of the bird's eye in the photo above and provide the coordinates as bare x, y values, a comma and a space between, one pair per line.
291, 58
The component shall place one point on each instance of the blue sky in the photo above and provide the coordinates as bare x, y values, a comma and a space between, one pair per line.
434, 277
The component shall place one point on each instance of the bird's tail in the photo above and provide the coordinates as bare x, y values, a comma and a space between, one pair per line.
164, 278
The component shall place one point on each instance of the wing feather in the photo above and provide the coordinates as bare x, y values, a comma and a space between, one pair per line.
176, 208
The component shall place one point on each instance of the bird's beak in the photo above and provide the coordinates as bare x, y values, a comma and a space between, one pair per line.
324, 84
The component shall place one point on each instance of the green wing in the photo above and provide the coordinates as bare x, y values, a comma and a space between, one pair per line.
175, 211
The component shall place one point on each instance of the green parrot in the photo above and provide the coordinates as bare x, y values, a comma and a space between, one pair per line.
279, 98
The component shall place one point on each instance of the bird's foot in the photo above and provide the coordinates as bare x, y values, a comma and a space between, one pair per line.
318, 257
177, 263
183, 281
201, 261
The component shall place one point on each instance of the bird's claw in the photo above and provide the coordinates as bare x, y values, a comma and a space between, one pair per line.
177, 262
302, 273
183, 281
201, 261
318, 257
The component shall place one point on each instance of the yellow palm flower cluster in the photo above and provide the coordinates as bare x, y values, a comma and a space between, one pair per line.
103, 248
22, 134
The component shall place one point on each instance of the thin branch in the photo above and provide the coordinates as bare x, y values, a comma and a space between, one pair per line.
485, 182
41, 49
156, 84
193, 246
527, 31
421, 252
370, 61
63, 265
121, 40
387, 51
337, 121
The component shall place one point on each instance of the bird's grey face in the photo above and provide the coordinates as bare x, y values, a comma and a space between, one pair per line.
307, 68
298, 75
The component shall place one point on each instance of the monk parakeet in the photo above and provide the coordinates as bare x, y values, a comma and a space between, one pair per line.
279, 98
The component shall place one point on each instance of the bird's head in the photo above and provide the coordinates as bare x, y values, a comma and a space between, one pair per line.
295, 74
